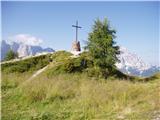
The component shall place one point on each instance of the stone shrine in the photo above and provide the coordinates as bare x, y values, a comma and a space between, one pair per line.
76, 46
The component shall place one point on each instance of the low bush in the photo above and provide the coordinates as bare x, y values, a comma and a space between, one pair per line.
71, 65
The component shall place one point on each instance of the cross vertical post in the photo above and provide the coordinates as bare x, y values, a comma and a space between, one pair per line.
76, 31
76, 26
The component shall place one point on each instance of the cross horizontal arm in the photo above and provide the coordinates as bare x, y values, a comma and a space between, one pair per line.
76, 26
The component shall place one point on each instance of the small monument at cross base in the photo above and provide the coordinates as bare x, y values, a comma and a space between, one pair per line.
76, 44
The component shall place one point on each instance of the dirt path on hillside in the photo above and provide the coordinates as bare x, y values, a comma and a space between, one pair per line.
28, 80
34, 75
38, 72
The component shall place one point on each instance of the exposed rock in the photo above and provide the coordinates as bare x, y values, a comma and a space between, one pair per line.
132, 64
22, 49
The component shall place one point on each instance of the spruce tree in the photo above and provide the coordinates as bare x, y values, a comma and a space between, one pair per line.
10, 55
101, 45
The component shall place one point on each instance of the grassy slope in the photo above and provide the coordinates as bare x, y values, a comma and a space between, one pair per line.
77, 97
30, 64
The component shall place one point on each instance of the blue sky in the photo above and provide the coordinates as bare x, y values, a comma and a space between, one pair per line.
136, 23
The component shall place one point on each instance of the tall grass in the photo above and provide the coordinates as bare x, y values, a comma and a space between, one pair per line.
79, 97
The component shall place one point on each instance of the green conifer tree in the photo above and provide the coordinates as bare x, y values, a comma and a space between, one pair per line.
101, 45
10, 55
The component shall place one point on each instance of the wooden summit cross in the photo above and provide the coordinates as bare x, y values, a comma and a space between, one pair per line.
76, 26
76, 44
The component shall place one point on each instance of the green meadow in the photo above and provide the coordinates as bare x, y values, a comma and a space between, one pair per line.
61, 92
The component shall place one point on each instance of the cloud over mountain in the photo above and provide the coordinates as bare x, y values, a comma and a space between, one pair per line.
24, 45
26, 39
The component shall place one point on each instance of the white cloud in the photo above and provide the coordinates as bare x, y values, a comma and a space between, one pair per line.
26, 39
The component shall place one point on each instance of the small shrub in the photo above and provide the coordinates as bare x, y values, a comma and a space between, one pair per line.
71, 65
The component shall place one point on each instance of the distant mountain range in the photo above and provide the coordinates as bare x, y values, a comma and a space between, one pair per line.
131, 64
23, 50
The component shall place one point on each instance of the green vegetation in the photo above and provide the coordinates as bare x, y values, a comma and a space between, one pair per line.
102, 48
10, 55
78, 88
76, 96
30, 64
60, 56
60, 94
63, 62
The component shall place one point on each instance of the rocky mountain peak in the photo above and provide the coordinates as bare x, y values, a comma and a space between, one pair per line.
131, 63
22, 49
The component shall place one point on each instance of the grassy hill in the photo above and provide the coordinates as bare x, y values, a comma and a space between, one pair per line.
29, 64
66, 90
